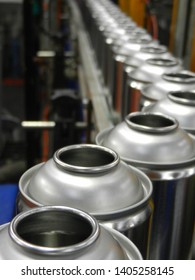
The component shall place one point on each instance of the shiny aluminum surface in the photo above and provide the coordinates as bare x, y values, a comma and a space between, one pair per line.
83, 176
150, 72
113, 44
154, 67
136, 139
134, 45
148, 52
156, 144
129, 65
178, 104
94, 179
118, 53
53, 232
180, 81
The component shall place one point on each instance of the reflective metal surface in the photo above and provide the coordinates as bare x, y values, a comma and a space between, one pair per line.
94, 179
179, 81
178, 104
150, 72
53, 232
136, 139
130, 64
120, 52
166, 153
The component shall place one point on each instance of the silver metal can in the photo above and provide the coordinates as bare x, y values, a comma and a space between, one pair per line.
94, 179
111, 45
130, 64
55, 232
166, 153
176, 81
118, 53
150, 72
178, 104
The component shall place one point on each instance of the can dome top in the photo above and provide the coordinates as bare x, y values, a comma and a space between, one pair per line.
150, 139
88, 177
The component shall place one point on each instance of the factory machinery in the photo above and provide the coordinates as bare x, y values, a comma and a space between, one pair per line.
108, 128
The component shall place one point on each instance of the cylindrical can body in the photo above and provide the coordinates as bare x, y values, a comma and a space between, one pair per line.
173, 219
178, 81
94, 179
137, 61
120, 52
55, 232
106, 22
123, 57
178, 104
149, 73
166, 153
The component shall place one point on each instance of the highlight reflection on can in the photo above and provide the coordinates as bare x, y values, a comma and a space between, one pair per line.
96, 180
155, 144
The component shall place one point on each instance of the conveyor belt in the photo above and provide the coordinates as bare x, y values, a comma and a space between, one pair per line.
96, 92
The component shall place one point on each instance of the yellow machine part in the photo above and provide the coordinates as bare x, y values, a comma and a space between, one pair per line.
173, 25
172, 35
135, 9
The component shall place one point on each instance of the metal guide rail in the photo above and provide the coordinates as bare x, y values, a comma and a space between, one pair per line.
96, 90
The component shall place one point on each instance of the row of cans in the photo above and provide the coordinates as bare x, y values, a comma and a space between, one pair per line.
131, 195
154, 95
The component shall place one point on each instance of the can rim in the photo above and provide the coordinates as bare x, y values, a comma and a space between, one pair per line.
186, 97
143, 121
112, 161
184, 77
16, 238
145, 181
152, 166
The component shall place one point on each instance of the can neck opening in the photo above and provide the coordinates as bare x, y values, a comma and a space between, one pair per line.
129, 28
151, 122
86, 158
162, 62
54, 230
138, 33
183, 97
139, 40
179, 78
154, 50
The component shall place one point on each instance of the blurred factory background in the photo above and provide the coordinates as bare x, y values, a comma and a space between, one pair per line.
53, 92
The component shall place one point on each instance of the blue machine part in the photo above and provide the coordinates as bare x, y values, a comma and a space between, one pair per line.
8, 194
